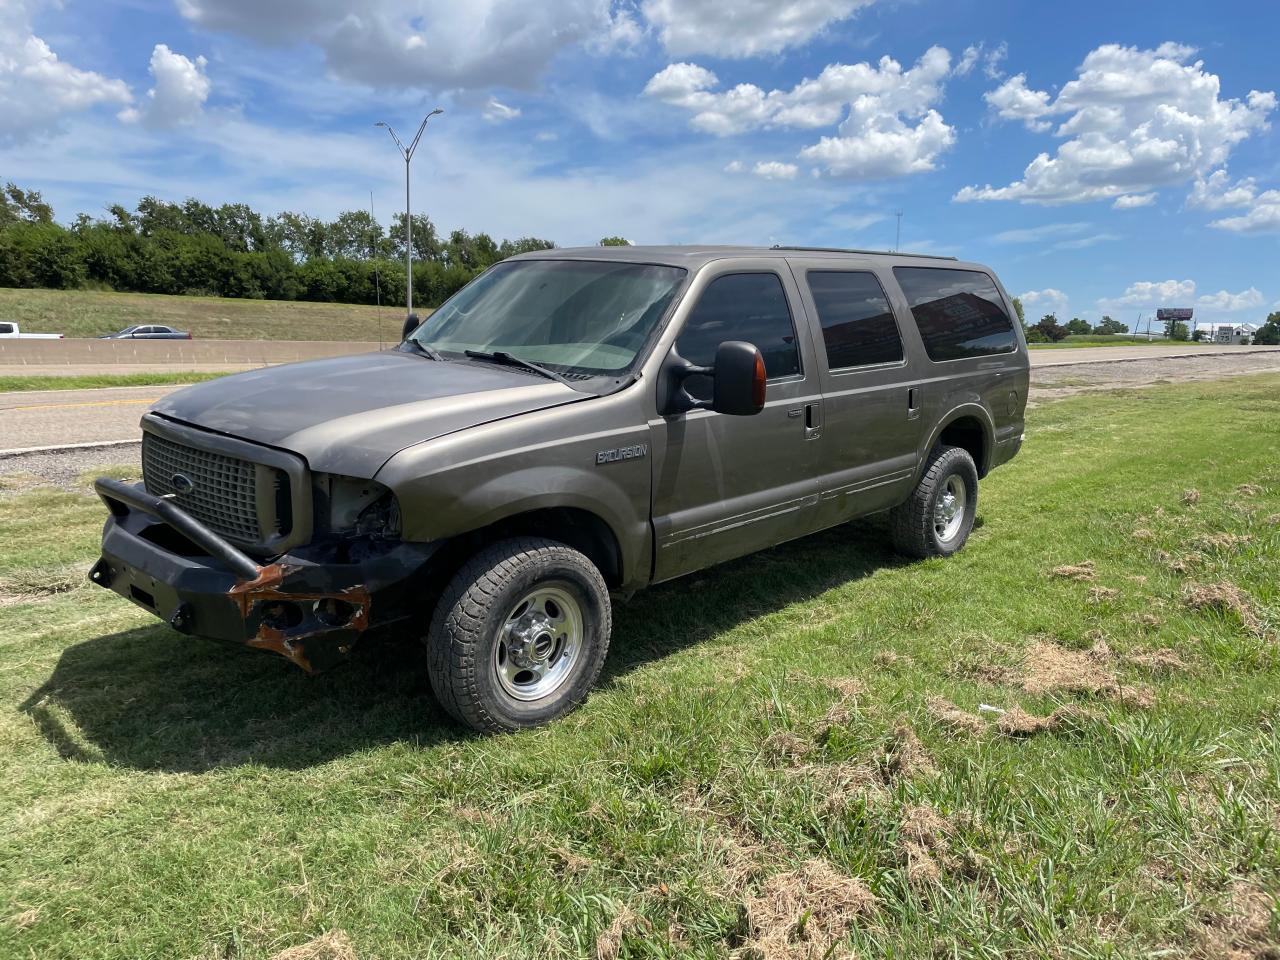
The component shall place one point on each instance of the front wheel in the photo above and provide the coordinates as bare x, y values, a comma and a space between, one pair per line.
519, 636
938, 517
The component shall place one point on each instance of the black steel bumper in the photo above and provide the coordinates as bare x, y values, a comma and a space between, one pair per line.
312, 612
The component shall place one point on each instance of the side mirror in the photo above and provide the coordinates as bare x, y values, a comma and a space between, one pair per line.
738, 378
411, 323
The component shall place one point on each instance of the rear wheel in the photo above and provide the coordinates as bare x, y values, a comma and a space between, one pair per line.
938, 517
520, 635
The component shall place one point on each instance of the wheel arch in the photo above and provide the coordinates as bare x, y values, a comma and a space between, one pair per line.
970, 427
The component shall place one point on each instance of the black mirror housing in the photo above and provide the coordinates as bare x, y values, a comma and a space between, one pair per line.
411, 323
739, 377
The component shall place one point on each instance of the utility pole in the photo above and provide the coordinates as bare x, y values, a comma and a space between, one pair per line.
407, 152
897, 242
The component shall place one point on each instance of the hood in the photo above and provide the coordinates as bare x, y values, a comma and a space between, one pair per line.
349, 415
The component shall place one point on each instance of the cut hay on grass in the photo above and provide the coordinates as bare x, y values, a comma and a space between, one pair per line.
1051, 668
1016, 722
334, 945
804, 914
609, 943
1224, 598
1243, 931
1191, 497
1083, 571
948, 715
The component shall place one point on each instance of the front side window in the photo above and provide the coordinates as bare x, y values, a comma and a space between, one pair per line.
960, 313
857, 324
740, 306
586, 316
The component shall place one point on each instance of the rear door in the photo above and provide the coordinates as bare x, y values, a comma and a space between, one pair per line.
725, 486
871, 399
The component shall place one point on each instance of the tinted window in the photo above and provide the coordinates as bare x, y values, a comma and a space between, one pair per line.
740, 306
959, 312
857, 324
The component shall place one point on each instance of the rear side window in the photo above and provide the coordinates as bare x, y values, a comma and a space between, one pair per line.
740, 306
959, 312
857, 324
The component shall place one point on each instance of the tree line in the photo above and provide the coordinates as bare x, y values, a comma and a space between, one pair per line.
234, 251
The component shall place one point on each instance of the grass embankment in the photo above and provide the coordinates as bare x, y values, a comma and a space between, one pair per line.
94, 380
89, 313
1115, 340
784, 751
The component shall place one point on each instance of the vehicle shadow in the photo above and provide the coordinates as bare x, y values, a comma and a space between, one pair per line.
152, 699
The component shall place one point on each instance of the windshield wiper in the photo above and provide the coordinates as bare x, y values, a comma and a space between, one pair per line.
420, 348
511, 360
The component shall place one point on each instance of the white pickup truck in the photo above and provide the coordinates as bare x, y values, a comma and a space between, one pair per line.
10, 331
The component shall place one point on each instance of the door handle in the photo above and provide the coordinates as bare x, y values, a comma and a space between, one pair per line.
913, 403
812, 420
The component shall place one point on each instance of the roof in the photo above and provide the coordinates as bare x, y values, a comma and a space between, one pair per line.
692, 257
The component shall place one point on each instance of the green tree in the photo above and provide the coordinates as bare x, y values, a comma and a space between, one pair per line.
1269, 332
1179, 331
1077, 327
1109, 326
614, 242
1017, 308
23, 206
1050, 329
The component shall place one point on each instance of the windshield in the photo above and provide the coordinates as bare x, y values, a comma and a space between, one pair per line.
588, 316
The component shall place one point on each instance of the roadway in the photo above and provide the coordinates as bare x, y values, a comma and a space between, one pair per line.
59, 418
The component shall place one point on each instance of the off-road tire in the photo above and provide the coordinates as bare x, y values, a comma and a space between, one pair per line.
911, 524
466, 624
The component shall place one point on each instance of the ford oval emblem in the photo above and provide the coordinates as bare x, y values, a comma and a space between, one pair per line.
181, 483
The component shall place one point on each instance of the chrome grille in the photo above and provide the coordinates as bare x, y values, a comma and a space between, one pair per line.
224, 494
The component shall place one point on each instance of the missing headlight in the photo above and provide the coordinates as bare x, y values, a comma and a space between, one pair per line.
361, 508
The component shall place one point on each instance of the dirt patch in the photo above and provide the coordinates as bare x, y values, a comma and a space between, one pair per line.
1191, 497
887, 658
1083, 572
804, 914
1099, 595
1050, 668
1243, 931
1225, 598
946, 714
334, 945
847, 687
1249, 490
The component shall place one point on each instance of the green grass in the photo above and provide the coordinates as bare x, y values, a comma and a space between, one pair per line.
167, 797
1115, 340
88, 381
89, 313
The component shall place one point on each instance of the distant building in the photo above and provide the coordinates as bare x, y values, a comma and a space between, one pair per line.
1229, 332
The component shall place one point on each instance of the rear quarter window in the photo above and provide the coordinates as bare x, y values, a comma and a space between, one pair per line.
959, 313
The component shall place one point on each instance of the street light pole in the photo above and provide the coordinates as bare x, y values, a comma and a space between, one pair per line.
407, 153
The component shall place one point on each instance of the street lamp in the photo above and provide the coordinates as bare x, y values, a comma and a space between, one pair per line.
407, 153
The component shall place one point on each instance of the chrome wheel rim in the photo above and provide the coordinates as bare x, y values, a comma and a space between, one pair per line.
949, 509
539, 643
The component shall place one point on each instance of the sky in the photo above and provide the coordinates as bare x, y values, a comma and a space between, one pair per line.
1101, 157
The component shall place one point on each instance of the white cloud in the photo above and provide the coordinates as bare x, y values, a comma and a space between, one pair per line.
1042, 233
735, 166
968, 59
1131, 201
1147, 293
991, 63
1133, 120
742, 28
438, 44
37, 90
1226, 302
889, 126
180, 91
498, 112
1049, 299
991, 60
1217, 192
773, 170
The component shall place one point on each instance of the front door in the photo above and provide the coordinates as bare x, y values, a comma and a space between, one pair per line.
724, 485
872, 402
